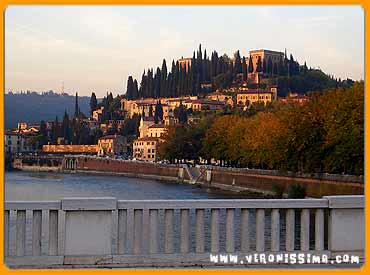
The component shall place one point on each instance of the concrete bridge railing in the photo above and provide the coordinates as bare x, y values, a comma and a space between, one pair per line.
110, 232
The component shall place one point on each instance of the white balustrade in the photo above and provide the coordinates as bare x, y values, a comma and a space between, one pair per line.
151, 232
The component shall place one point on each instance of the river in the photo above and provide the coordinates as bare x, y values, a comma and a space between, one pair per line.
55, 186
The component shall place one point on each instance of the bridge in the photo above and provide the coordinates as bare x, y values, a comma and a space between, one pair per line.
105, 232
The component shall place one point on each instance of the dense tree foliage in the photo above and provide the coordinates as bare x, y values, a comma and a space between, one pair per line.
131, 126
184, 141
325, 134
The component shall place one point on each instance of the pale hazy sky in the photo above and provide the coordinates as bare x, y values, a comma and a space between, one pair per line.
95, 48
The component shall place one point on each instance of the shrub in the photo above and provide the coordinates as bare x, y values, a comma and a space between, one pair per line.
297, 191
278, 190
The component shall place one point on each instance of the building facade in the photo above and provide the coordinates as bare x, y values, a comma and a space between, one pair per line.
70, 149
16, 143
204, 104
157, 130
98, 113
266, 55
185, 63
146, 148
251, 96
112, 145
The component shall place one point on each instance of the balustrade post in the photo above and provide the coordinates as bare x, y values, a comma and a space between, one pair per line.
346, 224
275, 230
244, 230
168, 242
289, 230
215, 235
199, 230
53, 232
260, 230
6, 231
21, 233
36, 232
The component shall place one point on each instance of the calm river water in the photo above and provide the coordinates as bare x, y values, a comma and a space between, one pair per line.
50, 186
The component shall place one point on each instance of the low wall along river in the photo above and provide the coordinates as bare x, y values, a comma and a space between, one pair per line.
231, 179
238, 180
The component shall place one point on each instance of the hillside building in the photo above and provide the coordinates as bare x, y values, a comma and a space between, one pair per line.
146, 148
250, 96
112, 145
185, 63
266, 55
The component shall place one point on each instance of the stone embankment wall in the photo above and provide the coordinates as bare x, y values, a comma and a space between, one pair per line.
128, 168
36, 164
232, 179
262, 180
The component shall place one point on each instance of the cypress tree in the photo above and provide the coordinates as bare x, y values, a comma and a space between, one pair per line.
143, 84
164, 79
274, 69
204, 67
200, 63
281, 67
93, 103
130, 88
66, 131
305, 69
135, 91
150, 110
211, 68
44, 133
259, 65
55, 131
250, 65
244, 69
158, 114
76, 106
269, 66
237, 63
264, 66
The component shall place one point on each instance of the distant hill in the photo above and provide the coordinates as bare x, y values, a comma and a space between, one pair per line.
33, 107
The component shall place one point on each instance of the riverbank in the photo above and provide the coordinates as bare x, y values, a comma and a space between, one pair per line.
227, 179
235, 180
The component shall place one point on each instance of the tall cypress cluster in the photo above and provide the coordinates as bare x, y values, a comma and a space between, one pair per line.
176, 79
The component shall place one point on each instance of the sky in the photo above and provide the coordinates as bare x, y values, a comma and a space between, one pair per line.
95, 48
